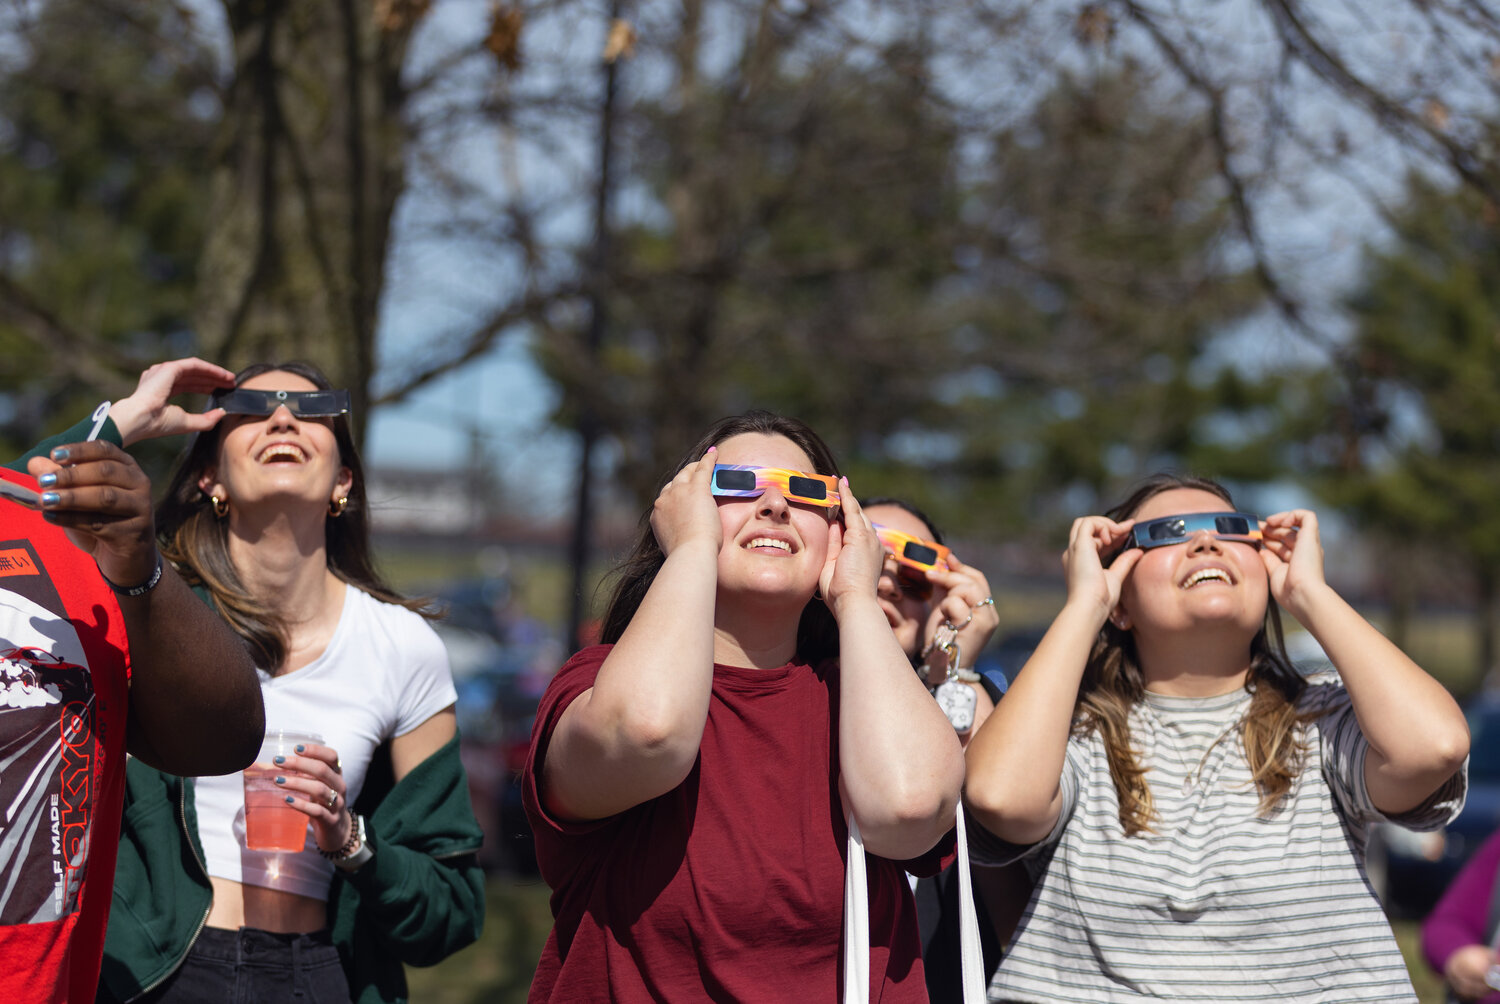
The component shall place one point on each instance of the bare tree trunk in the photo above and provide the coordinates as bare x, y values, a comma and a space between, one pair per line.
309, 169
589, 425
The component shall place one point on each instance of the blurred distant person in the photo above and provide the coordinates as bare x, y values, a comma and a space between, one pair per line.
1459, 936
1192, 807
103, 650
690, 779
266, 515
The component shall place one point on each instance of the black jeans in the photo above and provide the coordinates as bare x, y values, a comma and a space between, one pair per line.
251, 966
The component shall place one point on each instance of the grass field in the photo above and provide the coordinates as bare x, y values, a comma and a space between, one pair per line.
497, 969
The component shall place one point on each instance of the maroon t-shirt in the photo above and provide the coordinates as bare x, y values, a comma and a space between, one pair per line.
64, 670
730, 886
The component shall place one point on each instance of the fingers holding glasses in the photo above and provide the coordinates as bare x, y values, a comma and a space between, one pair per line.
685, 509
1090, 540
1292, 552
855, 566
967, 604
145, 414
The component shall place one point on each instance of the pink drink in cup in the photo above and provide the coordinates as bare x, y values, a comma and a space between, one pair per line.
270, 823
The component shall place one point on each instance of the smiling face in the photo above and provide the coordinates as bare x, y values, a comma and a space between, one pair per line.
278, 458
771, 546
906, 612
1201, 581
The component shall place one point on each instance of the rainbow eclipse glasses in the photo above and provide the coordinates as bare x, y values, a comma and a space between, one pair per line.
743, 481
301, 403
1237, 526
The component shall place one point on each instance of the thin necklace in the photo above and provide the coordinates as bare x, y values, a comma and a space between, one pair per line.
1191, 779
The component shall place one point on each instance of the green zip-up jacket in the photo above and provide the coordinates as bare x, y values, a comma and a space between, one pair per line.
419, 900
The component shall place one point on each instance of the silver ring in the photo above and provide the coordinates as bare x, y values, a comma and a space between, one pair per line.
333, 796
988, 601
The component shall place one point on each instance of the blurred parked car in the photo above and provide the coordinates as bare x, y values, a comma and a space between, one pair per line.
1410, 870
501, 663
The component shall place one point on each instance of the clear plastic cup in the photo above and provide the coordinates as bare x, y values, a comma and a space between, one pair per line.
270, 823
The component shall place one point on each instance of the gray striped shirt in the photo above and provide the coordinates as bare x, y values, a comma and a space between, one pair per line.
1216, 904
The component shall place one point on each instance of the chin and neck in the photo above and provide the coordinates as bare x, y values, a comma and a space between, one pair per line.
1206, 662
756, 631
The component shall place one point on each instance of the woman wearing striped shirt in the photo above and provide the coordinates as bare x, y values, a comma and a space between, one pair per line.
1193, 809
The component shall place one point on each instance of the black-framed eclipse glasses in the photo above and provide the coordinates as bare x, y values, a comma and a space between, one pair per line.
301, 403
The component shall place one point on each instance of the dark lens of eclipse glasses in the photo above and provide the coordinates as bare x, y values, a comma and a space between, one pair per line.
920, 554
735, 481
806, 488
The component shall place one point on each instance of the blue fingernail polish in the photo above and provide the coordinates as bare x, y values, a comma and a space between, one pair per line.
289, 800
278, 759
50, 498
60, 454
47, 480
301, 748
281, 780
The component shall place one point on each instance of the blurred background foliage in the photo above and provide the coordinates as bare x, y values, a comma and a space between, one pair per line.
1007, 256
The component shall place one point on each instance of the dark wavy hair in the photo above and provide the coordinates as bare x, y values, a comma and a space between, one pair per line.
817, 632
196, 541
1113, 684
936, 534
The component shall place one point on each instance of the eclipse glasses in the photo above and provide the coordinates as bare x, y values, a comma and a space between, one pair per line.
913, 552
743, 481
1242, 527
301, 403
914, 557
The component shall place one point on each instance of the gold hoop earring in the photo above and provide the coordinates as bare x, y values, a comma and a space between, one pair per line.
221, 506
336, 506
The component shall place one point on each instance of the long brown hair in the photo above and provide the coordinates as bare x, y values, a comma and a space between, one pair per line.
817, 632
1113, 684
197, 542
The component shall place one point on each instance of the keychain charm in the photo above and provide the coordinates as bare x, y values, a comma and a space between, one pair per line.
956, 698
958, 701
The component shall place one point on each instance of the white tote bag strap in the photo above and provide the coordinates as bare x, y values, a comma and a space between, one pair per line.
970, 950
856, 921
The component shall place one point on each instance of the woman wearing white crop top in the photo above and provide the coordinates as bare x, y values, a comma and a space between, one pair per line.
267, 513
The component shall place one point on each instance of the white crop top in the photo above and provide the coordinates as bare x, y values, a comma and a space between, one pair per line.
384, 672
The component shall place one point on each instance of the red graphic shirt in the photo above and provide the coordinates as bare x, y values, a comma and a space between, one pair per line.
64, 676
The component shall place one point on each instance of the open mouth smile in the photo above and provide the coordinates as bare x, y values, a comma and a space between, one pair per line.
282, 453
1203, 575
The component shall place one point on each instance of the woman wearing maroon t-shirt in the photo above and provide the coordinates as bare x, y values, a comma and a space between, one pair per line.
690, 779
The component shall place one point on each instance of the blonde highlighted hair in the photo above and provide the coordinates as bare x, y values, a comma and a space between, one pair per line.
1113, 685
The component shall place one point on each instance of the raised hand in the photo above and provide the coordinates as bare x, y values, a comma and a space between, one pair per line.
1292, 551
1083, 562
855, 555
685, 510
966, 603
145, 414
